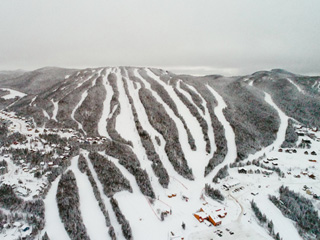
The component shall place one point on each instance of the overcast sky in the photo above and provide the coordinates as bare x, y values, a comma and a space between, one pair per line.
191, 36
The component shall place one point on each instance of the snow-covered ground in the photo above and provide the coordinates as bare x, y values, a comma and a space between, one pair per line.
55, 109
12, 94
183, 197
296, 85
54, 226
102, 125
89, 206
230, 136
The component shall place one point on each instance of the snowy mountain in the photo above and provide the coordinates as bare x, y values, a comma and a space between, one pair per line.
142, 153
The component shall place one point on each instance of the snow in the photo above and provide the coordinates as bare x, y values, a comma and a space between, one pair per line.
45, 114
32, 100
283, 225
230, 136
12, 94
113, 219
89, 207
83, 97
205, 114
197, 160
125, 125
182, 134
146, 124
144, 216
102, 125
54, 226
296, 85
280, 134
55, 110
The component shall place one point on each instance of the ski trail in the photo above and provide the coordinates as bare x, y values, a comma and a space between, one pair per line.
125, 125
145, 122
182, 134
55, 110
102, 125
54, 226
283, 225
45, 114
89, 207
207, 117
32, 100
83, 97
138, 148
188, 96
113, 218
230, 136
193, 89
296, 85
281, 134
191, 122
126, 118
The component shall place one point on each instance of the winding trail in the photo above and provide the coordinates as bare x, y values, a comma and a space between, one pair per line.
102, 125
83, 97
281, 134
229, 133
55, 110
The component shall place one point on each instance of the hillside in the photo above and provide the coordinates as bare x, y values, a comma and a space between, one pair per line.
145, 152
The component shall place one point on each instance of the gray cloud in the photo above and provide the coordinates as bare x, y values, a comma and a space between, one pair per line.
228, 37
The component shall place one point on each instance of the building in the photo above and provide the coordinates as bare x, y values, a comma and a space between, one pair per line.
231, 183
242, 170
203, 216
213, 216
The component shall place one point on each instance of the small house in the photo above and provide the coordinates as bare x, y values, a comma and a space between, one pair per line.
242, 170
221, 212
312, 176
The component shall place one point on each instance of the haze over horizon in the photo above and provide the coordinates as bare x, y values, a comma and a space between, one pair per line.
192, 37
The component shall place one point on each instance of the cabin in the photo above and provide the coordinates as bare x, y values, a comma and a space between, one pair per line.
242, 170
280, 150
172, 195
221, 213
312, 160
231, 183
275, 164
312, 176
